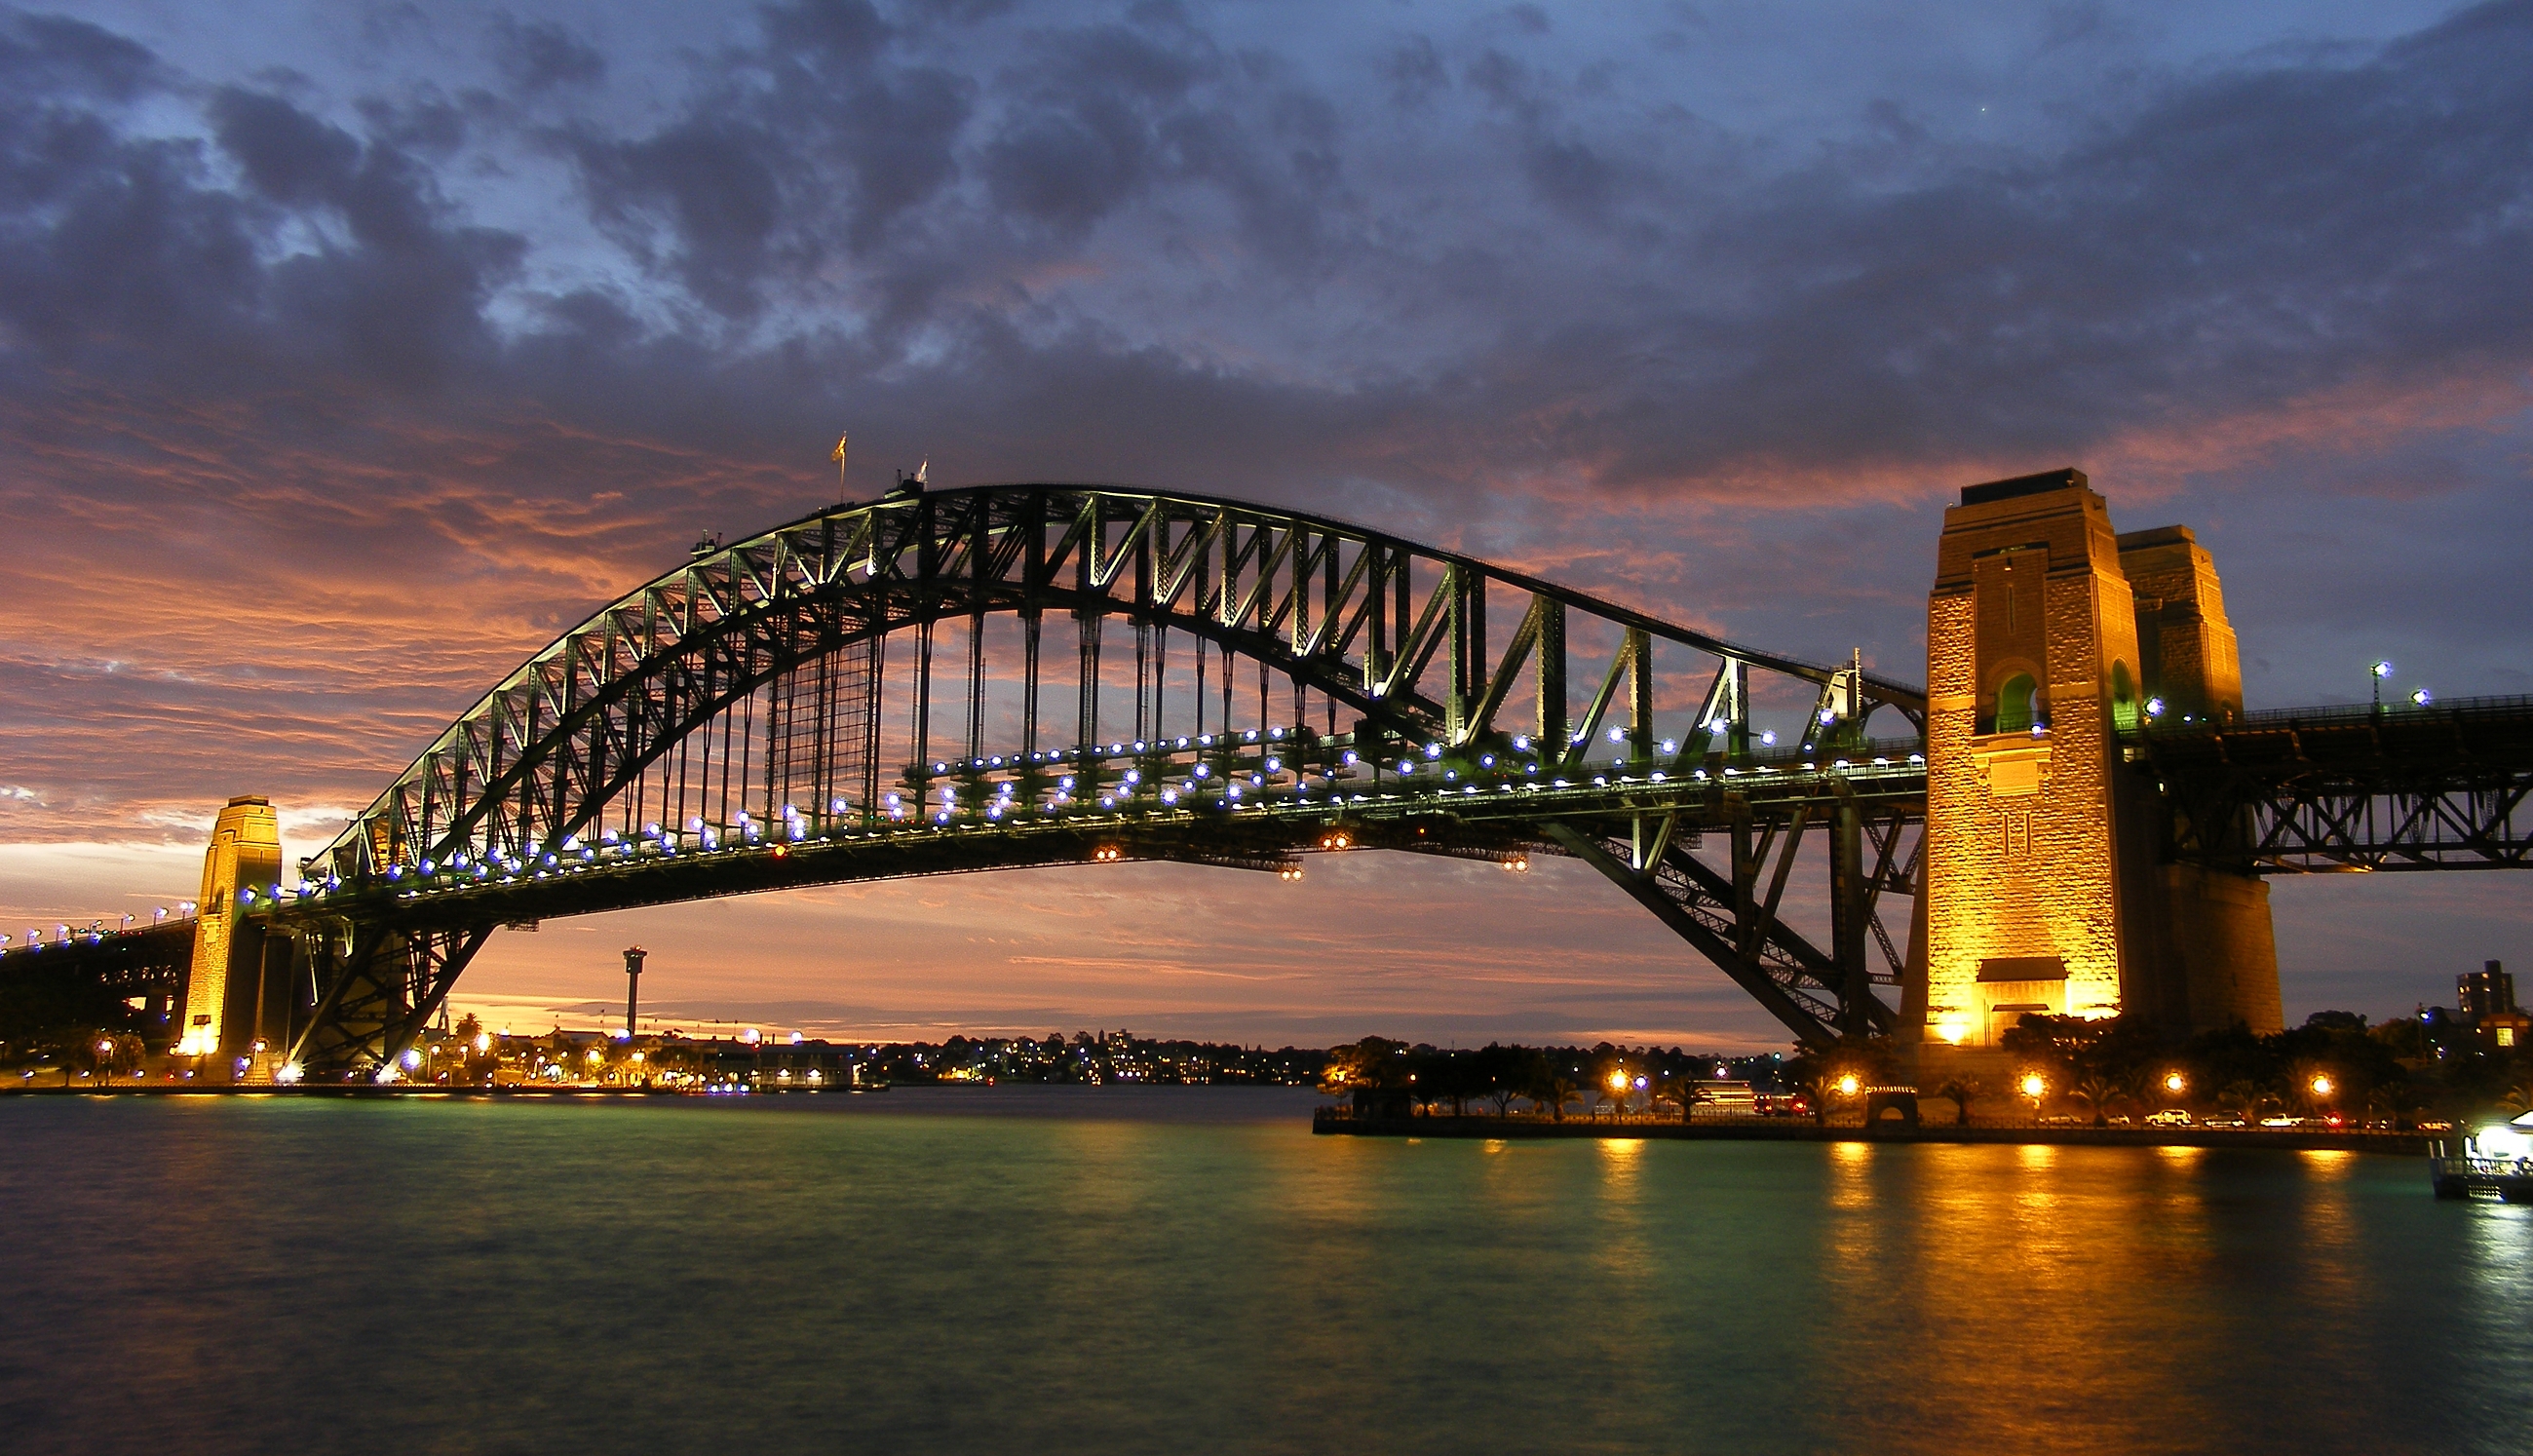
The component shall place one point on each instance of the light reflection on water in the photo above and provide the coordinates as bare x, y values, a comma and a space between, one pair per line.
1193, 1271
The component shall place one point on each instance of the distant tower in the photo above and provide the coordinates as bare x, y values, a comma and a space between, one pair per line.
632, 988
2488, 1001
2047, 636
227, 971
2487, 992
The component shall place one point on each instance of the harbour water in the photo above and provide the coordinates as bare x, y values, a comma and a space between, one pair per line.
1049, 1270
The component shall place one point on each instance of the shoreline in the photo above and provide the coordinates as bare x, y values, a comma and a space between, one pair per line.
2314, 1140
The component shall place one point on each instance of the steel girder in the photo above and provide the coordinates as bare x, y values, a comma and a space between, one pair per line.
1394, 632
2360, 788
376, 985
1362, 617
1729, 918
1734, 915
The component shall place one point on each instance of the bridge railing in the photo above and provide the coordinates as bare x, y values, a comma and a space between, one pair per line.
2335, 715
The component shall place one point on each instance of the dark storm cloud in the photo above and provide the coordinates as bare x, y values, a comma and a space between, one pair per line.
803, 141
539, 55
129, 257
53, 55
289, 156
2246, 240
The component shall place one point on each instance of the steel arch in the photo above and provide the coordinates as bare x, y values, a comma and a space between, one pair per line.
1393, 632
533, 761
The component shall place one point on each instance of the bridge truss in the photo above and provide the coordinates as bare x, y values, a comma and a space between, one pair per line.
1166, 676
2349, 789
1009, 676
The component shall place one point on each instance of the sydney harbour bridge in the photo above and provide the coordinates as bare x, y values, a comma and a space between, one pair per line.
997, 678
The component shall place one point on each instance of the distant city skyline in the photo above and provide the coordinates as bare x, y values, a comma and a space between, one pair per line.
349, 354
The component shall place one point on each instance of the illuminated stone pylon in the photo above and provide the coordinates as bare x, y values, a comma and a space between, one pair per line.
2048, 635
222, 986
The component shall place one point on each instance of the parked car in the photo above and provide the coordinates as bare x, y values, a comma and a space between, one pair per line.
2170, 1116
2222, 1120
2282, 1121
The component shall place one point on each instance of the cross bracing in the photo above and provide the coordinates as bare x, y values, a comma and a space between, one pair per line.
931, 683
664, 702
2403, 787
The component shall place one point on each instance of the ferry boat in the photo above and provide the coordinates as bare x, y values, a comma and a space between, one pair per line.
2496, 1159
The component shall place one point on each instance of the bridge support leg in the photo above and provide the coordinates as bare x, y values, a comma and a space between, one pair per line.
1851, 911
1726, 918
2048, 636
226, 975
376, 994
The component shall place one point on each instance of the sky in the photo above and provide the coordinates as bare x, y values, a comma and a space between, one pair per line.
349, 353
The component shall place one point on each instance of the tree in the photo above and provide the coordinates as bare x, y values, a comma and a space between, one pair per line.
2095, 1090
1683, 1092
1823, 1073
1551, 1092
1961, 1090
2241, 1095
1375, 1072
1502, 1071
1454, 1077
1816, 1083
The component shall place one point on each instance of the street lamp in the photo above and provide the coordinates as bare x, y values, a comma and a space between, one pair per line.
1849, 1085
2321, 1084
2034, 1086
2375, 680
2175, 1083
2421, 698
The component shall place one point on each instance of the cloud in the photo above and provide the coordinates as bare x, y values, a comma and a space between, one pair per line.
539, 55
